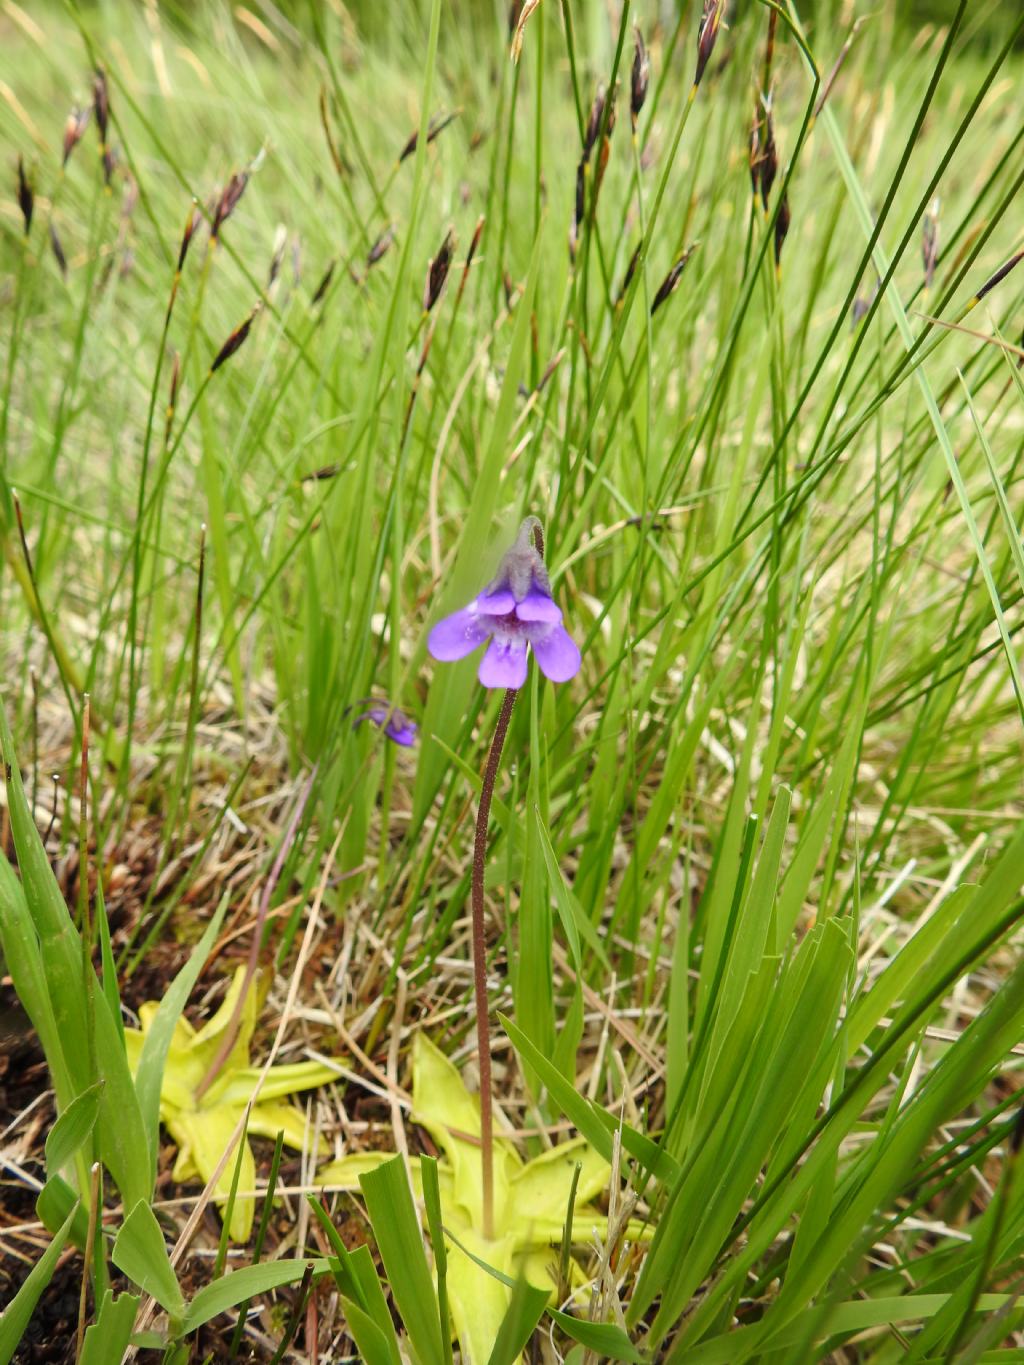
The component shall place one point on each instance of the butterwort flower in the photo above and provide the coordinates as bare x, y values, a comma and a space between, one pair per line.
395, 724
515, 613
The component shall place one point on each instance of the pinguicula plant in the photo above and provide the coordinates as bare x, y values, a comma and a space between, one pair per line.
201, 1119
538, 1204
498, 1210
516, 613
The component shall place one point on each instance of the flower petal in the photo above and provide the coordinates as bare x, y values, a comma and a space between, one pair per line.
497, 603
537, 606
401, 731
457, 635
557, 655
504, 664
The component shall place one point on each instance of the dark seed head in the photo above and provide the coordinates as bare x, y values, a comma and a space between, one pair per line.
380, 246
234, 341
579, 208
74, 127
668, 284
437, 272
606, 142
101, 102
228, 201
602, 117
782, 222
191, 223
630, 271
594, 123
436, 126
999, 276
478, 232
26, 199
707, 33
323, 286
639, 78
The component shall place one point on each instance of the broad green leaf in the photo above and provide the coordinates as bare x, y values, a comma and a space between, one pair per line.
149, 1340
397, 1232
141, 1252
604, 1338
539, 1192
704, 1205
840, 1318
18, 1313
377, 1345
347, 1170
61, 949
231, 1290
56, 1202
23, 958
122, 1141
481, 1281
72, 1128
517, 1327
359, 1286
430, 1192
567, 1039
153, 1056
108, 1337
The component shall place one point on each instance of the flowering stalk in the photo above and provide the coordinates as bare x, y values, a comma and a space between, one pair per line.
483, 1023
516, 615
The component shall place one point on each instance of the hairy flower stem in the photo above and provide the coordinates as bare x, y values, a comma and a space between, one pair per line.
483, 1027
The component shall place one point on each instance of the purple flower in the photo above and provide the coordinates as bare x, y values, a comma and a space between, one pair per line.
395, 724
515, 613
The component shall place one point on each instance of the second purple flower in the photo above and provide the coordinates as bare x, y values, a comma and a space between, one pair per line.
515, 613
